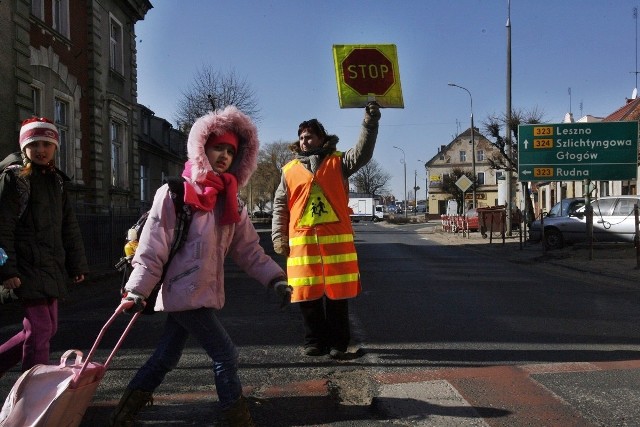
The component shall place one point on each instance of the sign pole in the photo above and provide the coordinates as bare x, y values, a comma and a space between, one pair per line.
589, 218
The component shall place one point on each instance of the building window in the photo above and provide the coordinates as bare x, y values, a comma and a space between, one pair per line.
144, 183
115, 50
480, 178
37, 9
480, 155
36, 101
61, 119
463, 156
61, 17
145, 125
604, 189
499, 175
118, 154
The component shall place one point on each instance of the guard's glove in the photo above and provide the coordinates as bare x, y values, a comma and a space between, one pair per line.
135, 302
284, 291
372, 112
280, 247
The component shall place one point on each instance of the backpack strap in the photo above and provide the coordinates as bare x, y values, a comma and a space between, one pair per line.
183, 214
23, 186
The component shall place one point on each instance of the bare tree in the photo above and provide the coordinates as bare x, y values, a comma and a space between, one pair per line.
370, 179
449, 186
210, 90
507, 159
263, 184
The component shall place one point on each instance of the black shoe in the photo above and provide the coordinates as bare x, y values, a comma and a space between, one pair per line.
313, 350
338, 354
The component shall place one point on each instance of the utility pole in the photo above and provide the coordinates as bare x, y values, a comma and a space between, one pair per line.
426, 185
508, 124
415, 192
404, 163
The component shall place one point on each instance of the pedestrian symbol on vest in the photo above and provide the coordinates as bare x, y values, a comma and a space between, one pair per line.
318, 210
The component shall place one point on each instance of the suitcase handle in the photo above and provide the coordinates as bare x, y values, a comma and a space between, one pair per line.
119, 310
65, 356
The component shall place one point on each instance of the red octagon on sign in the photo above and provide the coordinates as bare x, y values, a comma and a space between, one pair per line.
367, 70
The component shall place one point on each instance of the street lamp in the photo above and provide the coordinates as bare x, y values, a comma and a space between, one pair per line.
473, 145
404, 163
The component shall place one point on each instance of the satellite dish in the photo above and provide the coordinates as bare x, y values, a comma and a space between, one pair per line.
634, 94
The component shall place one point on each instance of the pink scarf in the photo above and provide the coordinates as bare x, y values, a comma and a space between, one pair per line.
225, 185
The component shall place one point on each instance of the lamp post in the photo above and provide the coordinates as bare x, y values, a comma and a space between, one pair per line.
473, 146
404, 163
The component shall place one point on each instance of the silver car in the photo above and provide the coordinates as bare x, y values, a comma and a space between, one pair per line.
613, 221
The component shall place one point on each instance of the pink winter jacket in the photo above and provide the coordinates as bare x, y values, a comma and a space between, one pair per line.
195, 277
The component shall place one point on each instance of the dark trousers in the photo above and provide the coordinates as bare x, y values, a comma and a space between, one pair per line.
326, 323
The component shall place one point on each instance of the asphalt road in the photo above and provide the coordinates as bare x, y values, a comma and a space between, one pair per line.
443, 335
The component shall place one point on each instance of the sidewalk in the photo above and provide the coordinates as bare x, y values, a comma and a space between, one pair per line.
608, 260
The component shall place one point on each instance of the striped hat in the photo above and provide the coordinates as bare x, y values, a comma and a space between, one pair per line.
38, 129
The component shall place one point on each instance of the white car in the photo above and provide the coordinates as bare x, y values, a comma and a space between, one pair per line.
613, 221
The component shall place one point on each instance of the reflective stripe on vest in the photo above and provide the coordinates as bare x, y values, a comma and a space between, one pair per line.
322, 258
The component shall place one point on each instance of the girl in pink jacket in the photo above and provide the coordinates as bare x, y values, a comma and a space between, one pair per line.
222, 149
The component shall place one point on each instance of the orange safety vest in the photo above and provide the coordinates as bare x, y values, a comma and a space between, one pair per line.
322, 256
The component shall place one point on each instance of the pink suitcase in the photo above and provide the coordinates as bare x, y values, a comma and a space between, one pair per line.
58, 395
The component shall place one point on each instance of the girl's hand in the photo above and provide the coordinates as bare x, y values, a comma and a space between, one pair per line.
12, 283
79, 278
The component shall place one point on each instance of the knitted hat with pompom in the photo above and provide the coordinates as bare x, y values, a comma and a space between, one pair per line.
38, 129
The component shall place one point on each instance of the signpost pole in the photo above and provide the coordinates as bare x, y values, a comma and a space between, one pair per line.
589, 218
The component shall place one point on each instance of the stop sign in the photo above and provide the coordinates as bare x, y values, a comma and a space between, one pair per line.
367, 70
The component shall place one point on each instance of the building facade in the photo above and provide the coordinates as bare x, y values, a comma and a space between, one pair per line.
458, 155
74, 61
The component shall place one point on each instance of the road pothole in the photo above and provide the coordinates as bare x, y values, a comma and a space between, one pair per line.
351, 387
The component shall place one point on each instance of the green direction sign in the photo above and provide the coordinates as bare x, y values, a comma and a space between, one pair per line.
578, 151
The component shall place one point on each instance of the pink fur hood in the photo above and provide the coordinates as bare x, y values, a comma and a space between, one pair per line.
217, 123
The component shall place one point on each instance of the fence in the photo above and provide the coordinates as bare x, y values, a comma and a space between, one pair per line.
104, 232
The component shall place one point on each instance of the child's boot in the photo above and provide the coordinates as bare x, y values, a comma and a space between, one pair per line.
131, 402
238, 414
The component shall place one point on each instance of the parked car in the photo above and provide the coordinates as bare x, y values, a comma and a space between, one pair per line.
566, 207
613, 221
471, 216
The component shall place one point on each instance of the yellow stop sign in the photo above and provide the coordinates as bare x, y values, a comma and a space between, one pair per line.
367, 70
366, 73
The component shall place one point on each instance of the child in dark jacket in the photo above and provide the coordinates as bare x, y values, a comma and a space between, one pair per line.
40, 234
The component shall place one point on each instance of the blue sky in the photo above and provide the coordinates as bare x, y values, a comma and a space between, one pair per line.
284, 50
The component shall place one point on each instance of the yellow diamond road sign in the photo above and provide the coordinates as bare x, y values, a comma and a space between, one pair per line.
367, 72
464, 183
